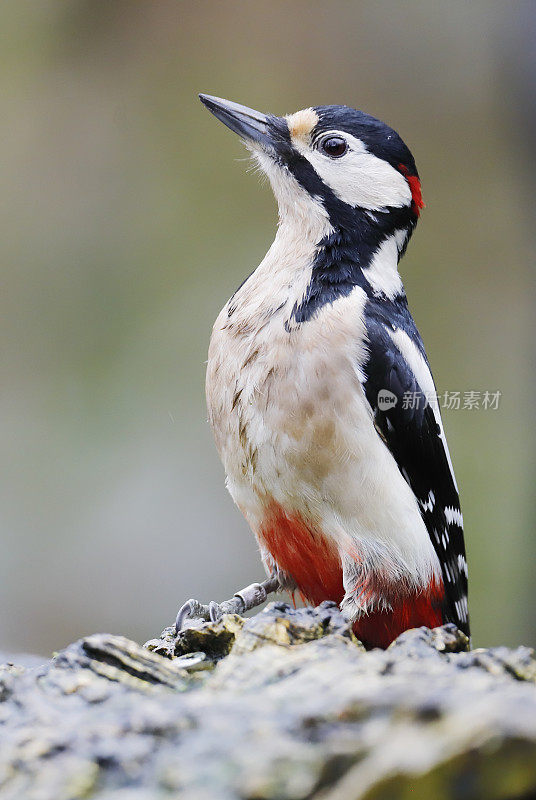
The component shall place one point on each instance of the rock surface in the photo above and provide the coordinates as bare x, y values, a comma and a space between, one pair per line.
284, 705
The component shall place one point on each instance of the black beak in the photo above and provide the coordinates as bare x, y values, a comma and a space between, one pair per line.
247, 123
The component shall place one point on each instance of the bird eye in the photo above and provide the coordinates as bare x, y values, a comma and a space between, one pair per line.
333, 146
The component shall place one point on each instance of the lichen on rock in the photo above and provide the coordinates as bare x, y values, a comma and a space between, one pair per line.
284, 705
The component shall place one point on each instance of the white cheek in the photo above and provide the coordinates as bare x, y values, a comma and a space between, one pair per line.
360, 178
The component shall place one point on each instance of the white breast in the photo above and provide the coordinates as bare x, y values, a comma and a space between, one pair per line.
293, 426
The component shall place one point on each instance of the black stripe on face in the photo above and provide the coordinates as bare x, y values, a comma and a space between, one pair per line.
301, 169
342, 215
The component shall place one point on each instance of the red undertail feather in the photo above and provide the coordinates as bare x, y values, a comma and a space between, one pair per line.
303, 553
314, 564
380, 628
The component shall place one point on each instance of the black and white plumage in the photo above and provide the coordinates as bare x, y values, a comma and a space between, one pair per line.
350, 499
413, 432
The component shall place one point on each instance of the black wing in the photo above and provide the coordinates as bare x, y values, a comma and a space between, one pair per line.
413, 433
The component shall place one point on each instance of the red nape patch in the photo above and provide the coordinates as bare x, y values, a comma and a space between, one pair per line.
381, 628
415, 186
304, 554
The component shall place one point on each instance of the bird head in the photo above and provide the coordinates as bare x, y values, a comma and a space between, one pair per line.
347, 164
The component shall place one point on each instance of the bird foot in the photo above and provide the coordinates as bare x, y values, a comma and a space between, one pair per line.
250, 597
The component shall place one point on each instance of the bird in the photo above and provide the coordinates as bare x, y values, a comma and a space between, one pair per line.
319, 390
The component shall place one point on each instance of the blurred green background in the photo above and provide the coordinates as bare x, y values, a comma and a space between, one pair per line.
126, 223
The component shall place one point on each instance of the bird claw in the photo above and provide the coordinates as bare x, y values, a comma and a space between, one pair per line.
192, 609
252, 596
215, 611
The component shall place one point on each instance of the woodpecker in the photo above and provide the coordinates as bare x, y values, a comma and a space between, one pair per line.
319, 391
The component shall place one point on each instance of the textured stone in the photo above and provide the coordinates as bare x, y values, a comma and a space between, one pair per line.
286, 705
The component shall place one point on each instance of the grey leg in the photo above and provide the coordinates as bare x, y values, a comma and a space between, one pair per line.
244, 600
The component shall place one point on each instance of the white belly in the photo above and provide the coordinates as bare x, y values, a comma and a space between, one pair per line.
293, 427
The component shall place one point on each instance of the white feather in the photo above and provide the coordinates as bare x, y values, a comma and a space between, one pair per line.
454, 515
382, 273
359, 178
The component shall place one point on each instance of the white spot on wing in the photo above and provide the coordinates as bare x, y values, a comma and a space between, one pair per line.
461, 608
454, 515
462, 565
429, 504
